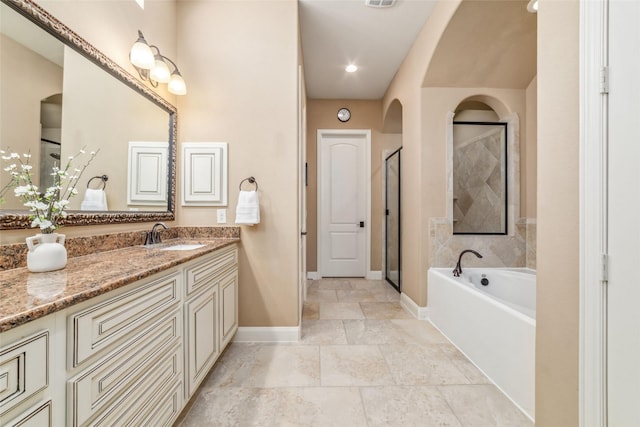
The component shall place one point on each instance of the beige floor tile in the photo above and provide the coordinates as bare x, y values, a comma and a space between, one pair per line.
311, 311
406, 406
393, 359
234, 406
482, 406
372, 332
421, 365
416, 331
473, 374
356, 295
321, 406
323, 332
270, 366
321, 295
331, 284
384, 310
353, 365
340, 310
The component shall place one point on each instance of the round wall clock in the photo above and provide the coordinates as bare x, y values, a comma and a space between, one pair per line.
344, 114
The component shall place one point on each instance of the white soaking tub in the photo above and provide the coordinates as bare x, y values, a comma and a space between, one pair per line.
493, 325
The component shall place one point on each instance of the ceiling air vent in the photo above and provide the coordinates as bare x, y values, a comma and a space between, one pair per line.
379, 3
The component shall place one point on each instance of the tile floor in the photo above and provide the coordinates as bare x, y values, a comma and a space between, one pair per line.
362, 361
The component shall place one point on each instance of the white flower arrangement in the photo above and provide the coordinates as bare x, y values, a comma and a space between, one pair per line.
48, 208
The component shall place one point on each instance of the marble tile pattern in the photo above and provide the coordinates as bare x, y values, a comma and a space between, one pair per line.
27, 296
372, 367
479, 182
517, 250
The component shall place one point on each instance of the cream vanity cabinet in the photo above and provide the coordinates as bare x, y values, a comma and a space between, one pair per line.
132, 356
211, 313
26, 360
125, 355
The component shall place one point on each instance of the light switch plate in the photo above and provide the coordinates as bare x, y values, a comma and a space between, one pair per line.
222, 216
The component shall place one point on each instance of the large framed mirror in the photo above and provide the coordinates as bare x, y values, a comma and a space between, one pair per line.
58, 94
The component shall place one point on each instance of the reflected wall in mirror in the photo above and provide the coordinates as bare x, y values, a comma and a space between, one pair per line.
59, 94
479, 175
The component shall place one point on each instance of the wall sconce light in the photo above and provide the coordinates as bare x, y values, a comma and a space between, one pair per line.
153, 67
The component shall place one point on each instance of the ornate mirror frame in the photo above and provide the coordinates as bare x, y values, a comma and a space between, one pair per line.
40, 17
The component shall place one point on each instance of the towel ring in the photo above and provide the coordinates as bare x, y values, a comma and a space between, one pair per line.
104, 179
251, 180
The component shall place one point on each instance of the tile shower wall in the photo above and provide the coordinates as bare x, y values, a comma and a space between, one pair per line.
478, 184
518, 250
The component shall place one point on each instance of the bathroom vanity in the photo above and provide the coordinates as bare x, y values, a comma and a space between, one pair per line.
118, 337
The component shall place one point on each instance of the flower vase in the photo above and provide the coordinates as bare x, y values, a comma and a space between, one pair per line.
46, 252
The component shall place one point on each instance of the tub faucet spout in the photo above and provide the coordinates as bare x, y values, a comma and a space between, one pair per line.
458, 270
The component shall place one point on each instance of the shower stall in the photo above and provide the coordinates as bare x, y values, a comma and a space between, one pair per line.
392, 220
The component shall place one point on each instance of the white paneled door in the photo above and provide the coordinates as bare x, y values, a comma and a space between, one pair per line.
342, 202
623, 316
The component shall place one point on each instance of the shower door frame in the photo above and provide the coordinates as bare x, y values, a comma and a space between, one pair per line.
396, 286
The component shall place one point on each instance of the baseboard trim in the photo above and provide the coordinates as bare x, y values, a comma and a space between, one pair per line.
267, 334
421, 313
371, 275
374, 275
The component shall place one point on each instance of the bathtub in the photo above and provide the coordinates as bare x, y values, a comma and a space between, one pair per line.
493, 325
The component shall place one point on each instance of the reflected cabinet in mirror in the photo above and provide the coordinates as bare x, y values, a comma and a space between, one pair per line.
59, 94
479, 177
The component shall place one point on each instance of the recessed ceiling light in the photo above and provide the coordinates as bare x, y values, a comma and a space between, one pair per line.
351, 68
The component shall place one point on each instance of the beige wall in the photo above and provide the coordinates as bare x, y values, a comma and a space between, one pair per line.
558, 215
321, 114
406, 88
241, 59
529, 153
26, 79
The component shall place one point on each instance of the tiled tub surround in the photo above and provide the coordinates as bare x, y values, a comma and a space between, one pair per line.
106, 263
518, 250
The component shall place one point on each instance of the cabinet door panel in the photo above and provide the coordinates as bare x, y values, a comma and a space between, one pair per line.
38, 417
202, 336
24, 370
105, 324
145, 395
229, 307
122, 370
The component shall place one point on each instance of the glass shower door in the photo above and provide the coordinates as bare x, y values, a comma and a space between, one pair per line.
392, 220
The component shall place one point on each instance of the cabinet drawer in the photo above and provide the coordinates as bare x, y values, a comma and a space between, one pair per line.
24, 370
161, 378
206, 271
120, 372
35, 417
104, 324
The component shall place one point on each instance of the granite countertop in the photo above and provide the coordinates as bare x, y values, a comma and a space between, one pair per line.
27, 296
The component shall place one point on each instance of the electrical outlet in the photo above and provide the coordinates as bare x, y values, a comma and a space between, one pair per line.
222, 216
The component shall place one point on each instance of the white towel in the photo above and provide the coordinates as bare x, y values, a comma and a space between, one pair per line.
248, 209
94, 200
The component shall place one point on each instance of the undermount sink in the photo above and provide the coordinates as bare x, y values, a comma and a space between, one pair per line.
182, 247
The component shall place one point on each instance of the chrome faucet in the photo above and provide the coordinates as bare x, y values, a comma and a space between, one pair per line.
458, 270
153, 236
